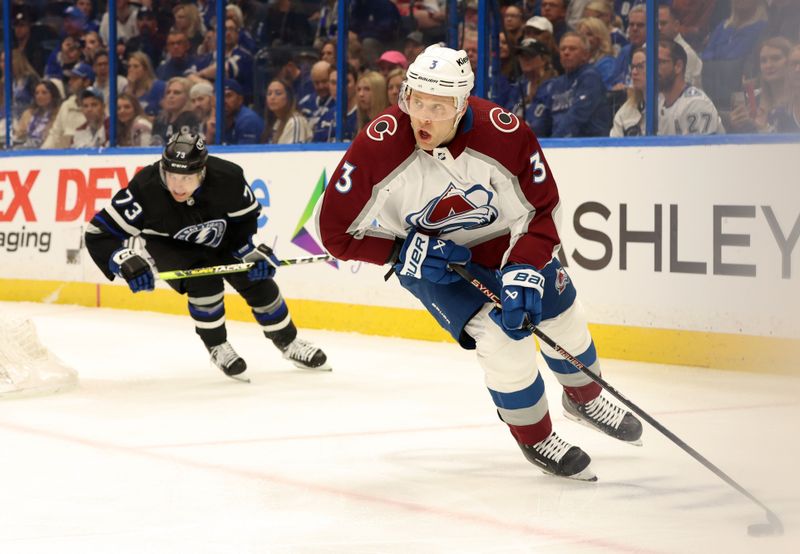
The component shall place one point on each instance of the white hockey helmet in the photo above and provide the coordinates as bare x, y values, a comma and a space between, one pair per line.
442, 71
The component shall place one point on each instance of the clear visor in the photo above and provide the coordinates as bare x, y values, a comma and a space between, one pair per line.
428, 107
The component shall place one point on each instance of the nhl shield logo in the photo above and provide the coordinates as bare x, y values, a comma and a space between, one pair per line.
455, 209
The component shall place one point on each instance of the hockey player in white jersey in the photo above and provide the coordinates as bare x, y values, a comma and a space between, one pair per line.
682, 109
445, 178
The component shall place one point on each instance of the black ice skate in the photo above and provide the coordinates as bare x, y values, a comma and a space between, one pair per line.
225, 357
604, 416
305, 355
557, 457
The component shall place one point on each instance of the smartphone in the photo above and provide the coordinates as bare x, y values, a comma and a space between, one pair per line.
737, 99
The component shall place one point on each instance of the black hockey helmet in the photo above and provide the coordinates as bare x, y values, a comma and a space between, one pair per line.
184, 153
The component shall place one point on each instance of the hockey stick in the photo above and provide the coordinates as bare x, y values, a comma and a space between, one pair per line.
234, 268
773, 525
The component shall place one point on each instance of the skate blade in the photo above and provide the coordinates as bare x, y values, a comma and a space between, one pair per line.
240, 378
324, 367
587, 475
577, 419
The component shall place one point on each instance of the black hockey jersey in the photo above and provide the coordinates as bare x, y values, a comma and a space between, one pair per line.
221, 214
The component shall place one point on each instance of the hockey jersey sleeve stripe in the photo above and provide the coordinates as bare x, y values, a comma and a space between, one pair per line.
120, 221
154, 233
254, 206
95, 230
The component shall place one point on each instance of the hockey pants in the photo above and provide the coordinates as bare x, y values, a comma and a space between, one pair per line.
510, 368
206, 294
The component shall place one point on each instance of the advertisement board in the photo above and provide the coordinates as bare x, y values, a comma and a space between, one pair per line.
698, 238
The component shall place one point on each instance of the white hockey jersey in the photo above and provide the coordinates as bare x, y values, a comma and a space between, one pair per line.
489, 189
693, 113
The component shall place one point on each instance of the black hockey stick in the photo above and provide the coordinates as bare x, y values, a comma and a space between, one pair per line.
235, 268
773, 525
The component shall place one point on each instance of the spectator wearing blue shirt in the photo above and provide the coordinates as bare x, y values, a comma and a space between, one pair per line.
535, 63
637, 34
555, 11
142, 83
313, 106
149, 40
179, 62
74, 23
624, 8
374, 19
238, 61
736, 37
62, 59
245, 40
325, 131
242, 125
574, 104
92, 23
600, 49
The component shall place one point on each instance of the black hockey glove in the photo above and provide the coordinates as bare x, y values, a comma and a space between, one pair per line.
133, 268
266, 263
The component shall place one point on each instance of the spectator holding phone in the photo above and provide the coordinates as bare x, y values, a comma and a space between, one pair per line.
755, 109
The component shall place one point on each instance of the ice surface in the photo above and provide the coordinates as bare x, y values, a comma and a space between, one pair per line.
398, 450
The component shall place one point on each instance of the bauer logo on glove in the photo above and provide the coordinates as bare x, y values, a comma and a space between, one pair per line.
424, 257
521, 299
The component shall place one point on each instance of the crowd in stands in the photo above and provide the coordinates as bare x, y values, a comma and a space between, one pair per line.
569, 68
577, 68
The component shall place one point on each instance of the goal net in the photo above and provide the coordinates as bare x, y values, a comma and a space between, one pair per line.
26, 366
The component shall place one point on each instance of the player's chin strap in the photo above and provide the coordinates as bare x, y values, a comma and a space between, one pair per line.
774, 525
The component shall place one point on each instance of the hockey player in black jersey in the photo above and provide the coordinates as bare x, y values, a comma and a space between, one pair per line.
195, 210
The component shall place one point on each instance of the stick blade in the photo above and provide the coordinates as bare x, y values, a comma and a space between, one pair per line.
773, 527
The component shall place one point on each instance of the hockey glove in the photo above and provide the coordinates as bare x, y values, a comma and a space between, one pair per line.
425, 257
521, 298
133, 268
264, 260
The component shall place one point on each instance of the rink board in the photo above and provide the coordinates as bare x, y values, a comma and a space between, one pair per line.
684, 255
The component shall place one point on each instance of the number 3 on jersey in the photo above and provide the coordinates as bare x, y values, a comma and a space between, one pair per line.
345, 182
125, 197
538, 168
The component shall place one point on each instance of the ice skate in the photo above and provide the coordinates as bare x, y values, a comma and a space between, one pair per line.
603, 415
557, 457
225, 357
305, 355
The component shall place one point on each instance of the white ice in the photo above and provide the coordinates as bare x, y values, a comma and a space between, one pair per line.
398, 450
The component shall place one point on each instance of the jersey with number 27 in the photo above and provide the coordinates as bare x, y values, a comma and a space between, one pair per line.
693, 113
489, 189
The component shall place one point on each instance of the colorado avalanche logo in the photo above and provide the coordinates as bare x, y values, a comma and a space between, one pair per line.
382, 126
455, 209
209, 233
504, 121
562, 279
